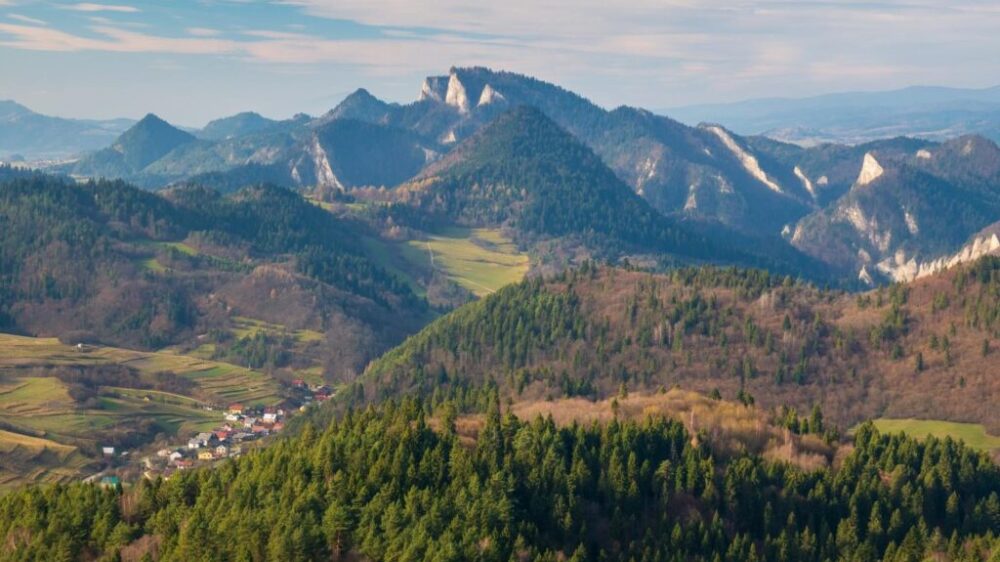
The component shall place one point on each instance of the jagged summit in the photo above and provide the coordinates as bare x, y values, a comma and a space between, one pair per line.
871, 170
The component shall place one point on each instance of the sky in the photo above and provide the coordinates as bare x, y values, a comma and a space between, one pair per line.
190, 61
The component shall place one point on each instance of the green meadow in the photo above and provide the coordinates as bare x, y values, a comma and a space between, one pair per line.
974, 435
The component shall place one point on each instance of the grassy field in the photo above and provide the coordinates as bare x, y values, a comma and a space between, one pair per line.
47, 426
249, 326
220, 382
481, 260
30, 460
974, 435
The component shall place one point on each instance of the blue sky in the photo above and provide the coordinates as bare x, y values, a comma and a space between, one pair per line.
193, 60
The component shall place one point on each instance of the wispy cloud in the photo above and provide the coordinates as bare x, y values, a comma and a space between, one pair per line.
26, 19
91, 7
111, 40
642, 52
203, 32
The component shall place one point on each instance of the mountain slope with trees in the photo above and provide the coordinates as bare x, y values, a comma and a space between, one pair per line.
383, 485
926, 349
112, 263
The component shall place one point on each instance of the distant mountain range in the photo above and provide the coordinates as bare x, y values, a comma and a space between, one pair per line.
874, 211
27, 135
927, 112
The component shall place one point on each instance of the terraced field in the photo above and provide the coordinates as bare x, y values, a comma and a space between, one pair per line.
974, 435
243, 327
47, 436
25, 460
220, 382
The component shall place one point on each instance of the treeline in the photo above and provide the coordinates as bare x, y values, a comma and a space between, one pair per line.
383, 485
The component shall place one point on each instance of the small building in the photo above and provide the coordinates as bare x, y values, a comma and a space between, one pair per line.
235, 408
164, 453
221, 451
110, 481
182, 464
232, 417
270, 417
200, 440
175, 456
108, 451
205, 455
221, 435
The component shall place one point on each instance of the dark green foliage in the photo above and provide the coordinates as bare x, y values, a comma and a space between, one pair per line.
381, 484
524, 170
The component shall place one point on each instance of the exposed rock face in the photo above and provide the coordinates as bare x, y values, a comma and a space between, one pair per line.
456, 95
321, 164
806, 182
748, 160
899, 268
434, 88
490, 96
871, 170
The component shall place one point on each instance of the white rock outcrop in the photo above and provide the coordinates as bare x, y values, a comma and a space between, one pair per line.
871, 170
749, 161
321, 163
456, 96
806, 182
489, 96
434, 88
901, 268
911, 222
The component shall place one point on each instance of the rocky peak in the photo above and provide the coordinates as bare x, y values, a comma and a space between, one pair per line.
870, 170
434, 88
456, 96
490, 96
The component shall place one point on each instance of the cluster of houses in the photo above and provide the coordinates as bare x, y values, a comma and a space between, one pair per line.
242, 425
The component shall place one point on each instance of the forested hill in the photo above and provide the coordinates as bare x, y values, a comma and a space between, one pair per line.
383, 485
523, 171
927, 349
108, 262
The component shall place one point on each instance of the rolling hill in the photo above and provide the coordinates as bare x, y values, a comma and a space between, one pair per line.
925, 349
118, 265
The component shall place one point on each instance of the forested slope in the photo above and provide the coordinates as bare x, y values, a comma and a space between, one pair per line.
383, 485
926, 349
104, 261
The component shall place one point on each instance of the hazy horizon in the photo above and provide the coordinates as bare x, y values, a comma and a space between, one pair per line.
192, 61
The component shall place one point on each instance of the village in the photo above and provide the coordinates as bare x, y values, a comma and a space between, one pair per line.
241, 429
